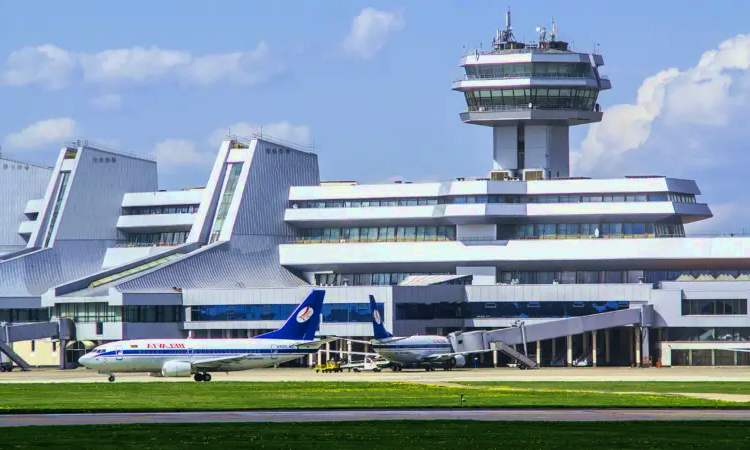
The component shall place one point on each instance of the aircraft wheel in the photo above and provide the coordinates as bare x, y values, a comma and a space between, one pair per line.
432, 369
426, 369
111, 378
198, 377
206, 377
2, 368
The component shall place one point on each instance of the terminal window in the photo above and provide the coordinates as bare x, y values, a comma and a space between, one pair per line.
722, 307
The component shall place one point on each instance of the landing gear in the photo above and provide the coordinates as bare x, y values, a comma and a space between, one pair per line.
396, 368
205, 376
429, 369
111, 378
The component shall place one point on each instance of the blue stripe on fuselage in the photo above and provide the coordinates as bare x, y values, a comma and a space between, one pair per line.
412, 346
207, 352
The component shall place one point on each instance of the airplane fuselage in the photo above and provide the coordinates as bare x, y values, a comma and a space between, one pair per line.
150, 355
412, 350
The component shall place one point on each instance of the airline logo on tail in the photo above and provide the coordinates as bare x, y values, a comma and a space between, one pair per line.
376, 317
304, 314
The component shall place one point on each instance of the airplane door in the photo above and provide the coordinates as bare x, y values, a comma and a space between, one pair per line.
274, 352
118, 355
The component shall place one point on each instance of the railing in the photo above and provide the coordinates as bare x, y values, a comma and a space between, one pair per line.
272, 139
145, 244
526, 75
95, 146
372, 241
522, 108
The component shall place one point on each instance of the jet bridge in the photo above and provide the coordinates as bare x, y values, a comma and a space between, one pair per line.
62, 329
503, 339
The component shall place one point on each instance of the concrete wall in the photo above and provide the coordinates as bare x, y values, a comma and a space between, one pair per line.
19, 183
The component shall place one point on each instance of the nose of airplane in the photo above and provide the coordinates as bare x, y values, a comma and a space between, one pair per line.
84, 360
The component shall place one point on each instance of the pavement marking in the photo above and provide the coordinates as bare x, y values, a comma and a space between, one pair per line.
567, 415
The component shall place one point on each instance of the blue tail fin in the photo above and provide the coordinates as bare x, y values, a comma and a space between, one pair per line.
304, 321
377, 322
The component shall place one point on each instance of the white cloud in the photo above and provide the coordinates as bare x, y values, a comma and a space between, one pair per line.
44, 132
55, 68
298, 134
107, 102
370, 30
673, 116
172, 153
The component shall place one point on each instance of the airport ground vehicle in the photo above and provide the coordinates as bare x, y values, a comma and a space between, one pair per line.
6, 366
330, 366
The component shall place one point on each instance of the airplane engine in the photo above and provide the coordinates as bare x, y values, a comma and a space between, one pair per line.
458, 361
176, 369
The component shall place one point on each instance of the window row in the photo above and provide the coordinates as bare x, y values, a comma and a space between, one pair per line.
543, 98
102, 312
536, 69
503, 310
706, 334
164, 238
607, 276
369, 234
332, 312
151, 210
730, 307
364, 279
483, 199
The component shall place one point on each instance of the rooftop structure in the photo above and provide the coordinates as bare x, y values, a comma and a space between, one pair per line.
98, 243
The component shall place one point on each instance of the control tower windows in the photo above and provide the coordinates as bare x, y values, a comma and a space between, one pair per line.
538, 98
521, 143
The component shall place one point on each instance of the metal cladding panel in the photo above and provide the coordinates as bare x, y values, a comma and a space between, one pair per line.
19, 183
274, 170
33, 274
96, 191
243, 262
153, 331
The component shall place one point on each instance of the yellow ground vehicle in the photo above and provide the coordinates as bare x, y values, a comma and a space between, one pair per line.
330, 366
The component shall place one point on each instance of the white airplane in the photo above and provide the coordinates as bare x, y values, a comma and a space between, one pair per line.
198, 357
422, 351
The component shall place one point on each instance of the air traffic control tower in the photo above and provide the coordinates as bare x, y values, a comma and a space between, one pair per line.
530, 94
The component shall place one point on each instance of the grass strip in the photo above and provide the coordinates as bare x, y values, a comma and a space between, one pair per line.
693, 387
386, 435
167, 396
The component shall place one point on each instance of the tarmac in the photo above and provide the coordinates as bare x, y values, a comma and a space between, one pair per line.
48, 375
567, 415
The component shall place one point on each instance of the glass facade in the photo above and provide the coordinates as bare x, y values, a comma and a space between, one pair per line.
608, 276
163, 238
332, 312
731, 307
62, 184
151, 210
20, 315
527, 70
483, 199
378, 234
577, 230
102, 312
503, 310
365, 279
541, 98
233, 175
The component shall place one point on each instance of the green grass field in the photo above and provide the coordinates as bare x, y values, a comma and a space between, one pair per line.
96, 397
389, 435
707, 387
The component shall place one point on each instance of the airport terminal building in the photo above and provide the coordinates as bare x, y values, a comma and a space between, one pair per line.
92, 251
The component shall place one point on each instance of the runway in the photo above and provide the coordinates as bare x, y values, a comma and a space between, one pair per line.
739, 373
566, 415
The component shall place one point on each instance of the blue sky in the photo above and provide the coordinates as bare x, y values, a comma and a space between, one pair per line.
373, 93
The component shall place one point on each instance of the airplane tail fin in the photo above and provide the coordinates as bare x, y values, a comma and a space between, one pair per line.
304, 321
378, 328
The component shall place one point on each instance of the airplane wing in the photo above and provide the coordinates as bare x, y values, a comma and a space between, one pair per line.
218, 362
447, 356
384, 341
317, 344
372, 355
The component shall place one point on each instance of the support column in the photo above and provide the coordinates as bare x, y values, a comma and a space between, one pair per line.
310, 361
646, 345
713, 356
585, 341
638, 360
570, 350
328, 351
349, 349
554, 349
320, 356
494, 358
593, 348
606, 345
631, 337
340, 346
539, 353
